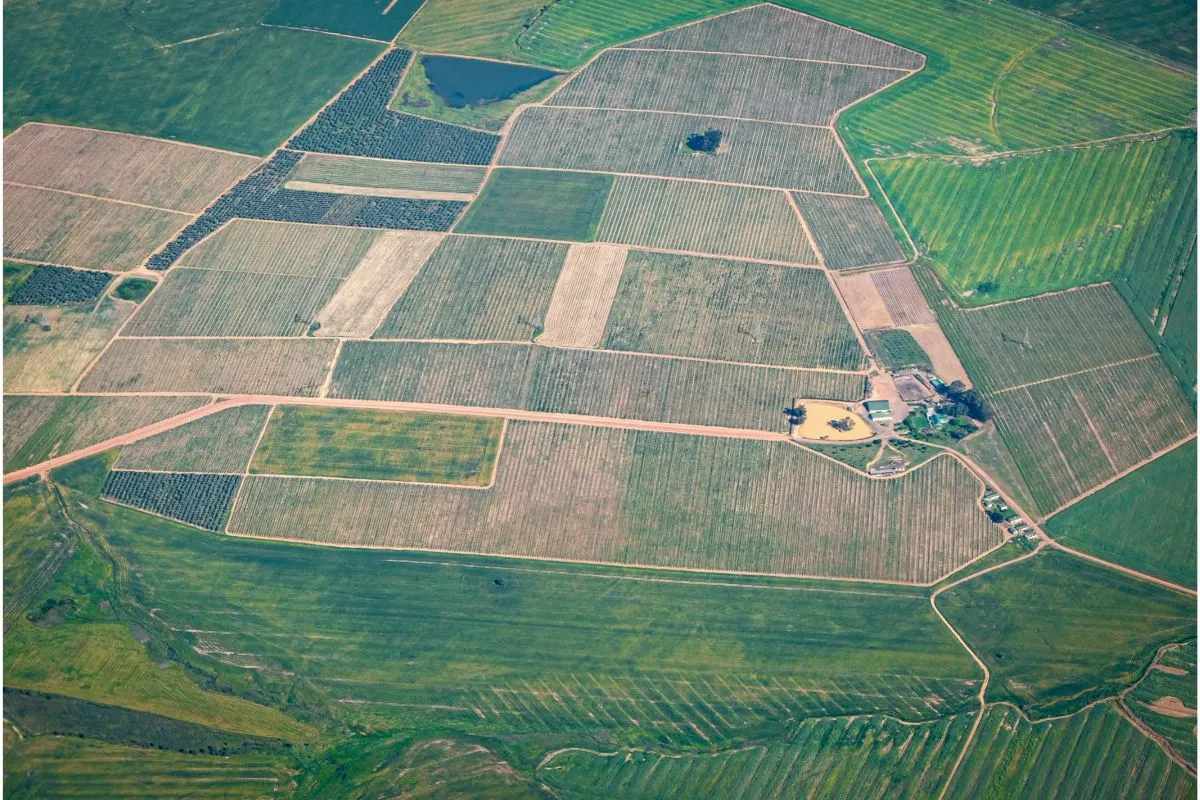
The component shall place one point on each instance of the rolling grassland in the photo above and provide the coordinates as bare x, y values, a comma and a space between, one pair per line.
1058, 632
1095, 753
849, 231
268, 366
723, 220
41, 360
769, 30
540, 204
866, 757
1122, 208
629, 497
74, 769
644, 143
378, 173
221, 442
117, 166
379, 445
205, 302
731, 310
285, 248
1166, 699
46, 225
627, 386
679, 659
478, 288
748, 87
583, 296
1145, 521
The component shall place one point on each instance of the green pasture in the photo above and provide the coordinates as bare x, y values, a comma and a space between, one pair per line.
897, 349
539, 204
372, 19
134, 289
1166, 28
1173, 677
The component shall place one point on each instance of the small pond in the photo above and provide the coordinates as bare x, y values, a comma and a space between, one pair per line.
465, 82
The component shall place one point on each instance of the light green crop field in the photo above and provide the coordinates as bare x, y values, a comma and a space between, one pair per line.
478, 288
1095, 753
1166, 699
372, 19
821, 758
76, 769
897, 349
103, 65
856, 455
730, 310
1119, 208
1058, 632
539, 204
221, 442
379, 445
381, 174
1145, 521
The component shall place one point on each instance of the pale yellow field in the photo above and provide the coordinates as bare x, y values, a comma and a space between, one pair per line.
584, 294
820, 414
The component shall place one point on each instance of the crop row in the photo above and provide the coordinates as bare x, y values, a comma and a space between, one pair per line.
262, 196
55, 286
359, 123
200, 500
849, 231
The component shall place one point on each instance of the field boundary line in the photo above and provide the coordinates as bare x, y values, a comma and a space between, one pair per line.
994, 90
1140, 136
246, 470
915, 253
169, 45
96, 197
325, 384
344, 479
1168, 750
666, 112
407, 22
493, 59
1092, 427
106, 499
1076, 373
1127, 471
908, 70
812, 241
140, 136
387, 43
1133, 573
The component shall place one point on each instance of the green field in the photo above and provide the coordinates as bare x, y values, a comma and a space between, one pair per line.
858, 456
373, 19
897, 349
478, 288
41, 427
1164, 699
15, 274
869, 756
730, 310
1145, 521
380, 174
1164, 27
134, 289
221, 442
99, 65
539, 204
1058, 632
1131, 207
379, 445
1095, 753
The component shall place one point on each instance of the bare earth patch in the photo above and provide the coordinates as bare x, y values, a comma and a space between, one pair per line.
413, 194
865, 302
934, 342
583, 296
369, 292
1171, 706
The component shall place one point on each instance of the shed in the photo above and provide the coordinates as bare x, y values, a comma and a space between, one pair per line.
879, 410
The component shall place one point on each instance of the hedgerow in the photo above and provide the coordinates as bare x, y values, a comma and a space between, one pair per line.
56, 286
262, 196
359, 123
200, 500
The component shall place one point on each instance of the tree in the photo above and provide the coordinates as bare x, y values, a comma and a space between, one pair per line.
968, 402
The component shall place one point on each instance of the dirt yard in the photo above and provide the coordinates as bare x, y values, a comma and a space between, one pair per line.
819, 414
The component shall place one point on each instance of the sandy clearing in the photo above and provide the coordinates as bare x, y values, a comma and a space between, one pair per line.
367, 294
411, 194
865, 302
584, 295
1170, 670
1171, 706
945, 361
816, 425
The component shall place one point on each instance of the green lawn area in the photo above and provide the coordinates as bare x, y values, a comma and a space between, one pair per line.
135, 289
540, 204
858, 456
1058, 632
897, 349
107, 64
381, 445
1145, 521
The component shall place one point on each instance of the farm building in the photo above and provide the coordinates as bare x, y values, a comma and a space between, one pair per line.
878, 410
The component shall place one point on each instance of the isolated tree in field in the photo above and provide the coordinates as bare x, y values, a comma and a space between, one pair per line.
844, 424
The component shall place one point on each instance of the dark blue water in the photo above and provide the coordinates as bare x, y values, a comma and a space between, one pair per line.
465, 82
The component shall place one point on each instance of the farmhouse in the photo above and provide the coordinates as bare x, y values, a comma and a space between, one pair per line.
878, 410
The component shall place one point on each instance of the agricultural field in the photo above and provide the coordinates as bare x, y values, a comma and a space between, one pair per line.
57, 286
584, 295
46, 348
1166, 28
478, 288
896, 349
1095, 753
40, 427
1058, 632
50, 226
902, 297
642, 143
1123, 208
730, 310
1146, 520
244, 366
1166, 699
870, 756
117, 166
379, 445
375, 173
282, 248
746, 87
374, 19
636, 504
197, 499
736, 221
221, 442
539, 204
848, 231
